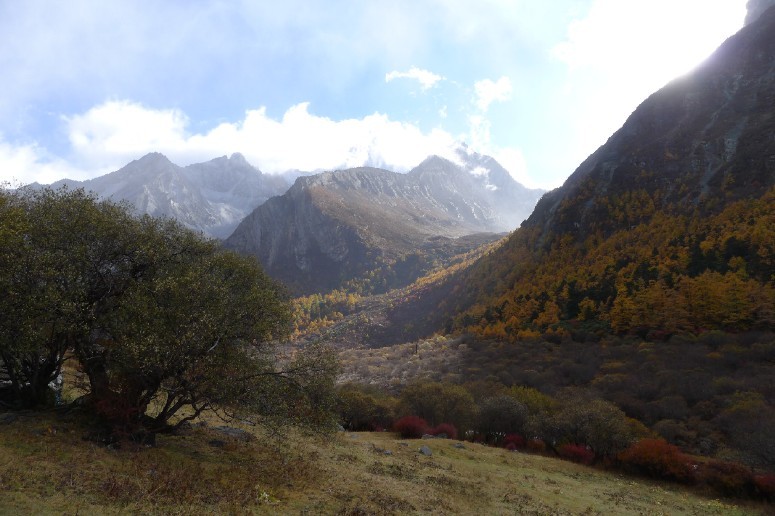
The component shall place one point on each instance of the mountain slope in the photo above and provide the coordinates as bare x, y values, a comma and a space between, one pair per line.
212, 197
702, 141
338, 226
667, 228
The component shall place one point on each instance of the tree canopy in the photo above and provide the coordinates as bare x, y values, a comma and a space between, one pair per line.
158, 318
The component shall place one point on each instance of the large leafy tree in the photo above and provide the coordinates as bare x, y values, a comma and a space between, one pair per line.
164, 323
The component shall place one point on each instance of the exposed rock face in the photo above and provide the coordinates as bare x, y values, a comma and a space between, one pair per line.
701, 141
211, 197
336, 226
477, 189
756, 8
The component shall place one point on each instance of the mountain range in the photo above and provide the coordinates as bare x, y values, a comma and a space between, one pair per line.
668, 228
211, 197
339, 226
331, 227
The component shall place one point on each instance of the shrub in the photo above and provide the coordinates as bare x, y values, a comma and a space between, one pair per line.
727, 478
764, 486
576, 453
513, 441
656, 458
536, 445
445, 429
411, 427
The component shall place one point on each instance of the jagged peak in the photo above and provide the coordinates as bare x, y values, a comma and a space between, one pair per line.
238, 158
153, 157
436, 164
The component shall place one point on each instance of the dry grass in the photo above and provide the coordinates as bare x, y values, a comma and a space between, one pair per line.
46, 467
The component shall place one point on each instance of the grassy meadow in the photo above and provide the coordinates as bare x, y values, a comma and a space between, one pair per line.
46, 467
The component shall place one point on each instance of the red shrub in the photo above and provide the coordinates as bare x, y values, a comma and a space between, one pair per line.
656, 458
447, 429
576, 453
765, 486
411, 427
727, 478
536, 445
513, 441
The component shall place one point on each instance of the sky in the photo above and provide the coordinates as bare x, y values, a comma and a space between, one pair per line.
90, 85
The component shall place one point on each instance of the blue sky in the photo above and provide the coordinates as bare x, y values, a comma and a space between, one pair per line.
89, 85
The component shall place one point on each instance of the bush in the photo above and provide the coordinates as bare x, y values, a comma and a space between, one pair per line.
513, 442
656, 458
596, 423
411, 427
764, 486
576, 453
447, 430
536, 445
727, 478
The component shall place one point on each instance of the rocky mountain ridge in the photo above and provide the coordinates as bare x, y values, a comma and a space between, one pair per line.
211, 197
336, 226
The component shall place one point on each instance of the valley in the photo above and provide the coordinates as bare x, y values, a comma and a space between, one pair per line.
604, 347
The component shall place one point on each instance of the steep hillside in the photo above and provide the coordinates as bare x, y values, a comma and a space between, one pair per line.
669, 227
212, 197
702, 141
374, 226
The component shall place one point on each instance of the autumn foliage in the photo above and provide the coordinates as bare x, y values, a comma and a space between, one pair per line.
514, 442
576, 453
411, 427
663, 273
656, 458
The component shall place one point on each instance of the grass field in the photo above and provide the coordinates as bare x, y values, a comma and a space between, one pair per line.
46, 467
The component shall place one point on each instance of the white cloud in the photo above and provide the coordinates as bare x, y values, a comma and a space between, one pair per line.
488, 92
23, 164
661, 38
122, 130
426, 78
108, 136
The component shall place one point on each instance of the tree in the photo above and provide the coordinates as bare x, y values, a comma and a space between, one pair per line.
501, 415
361, 408
159, 319
438, 403
62, 251
596, 423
